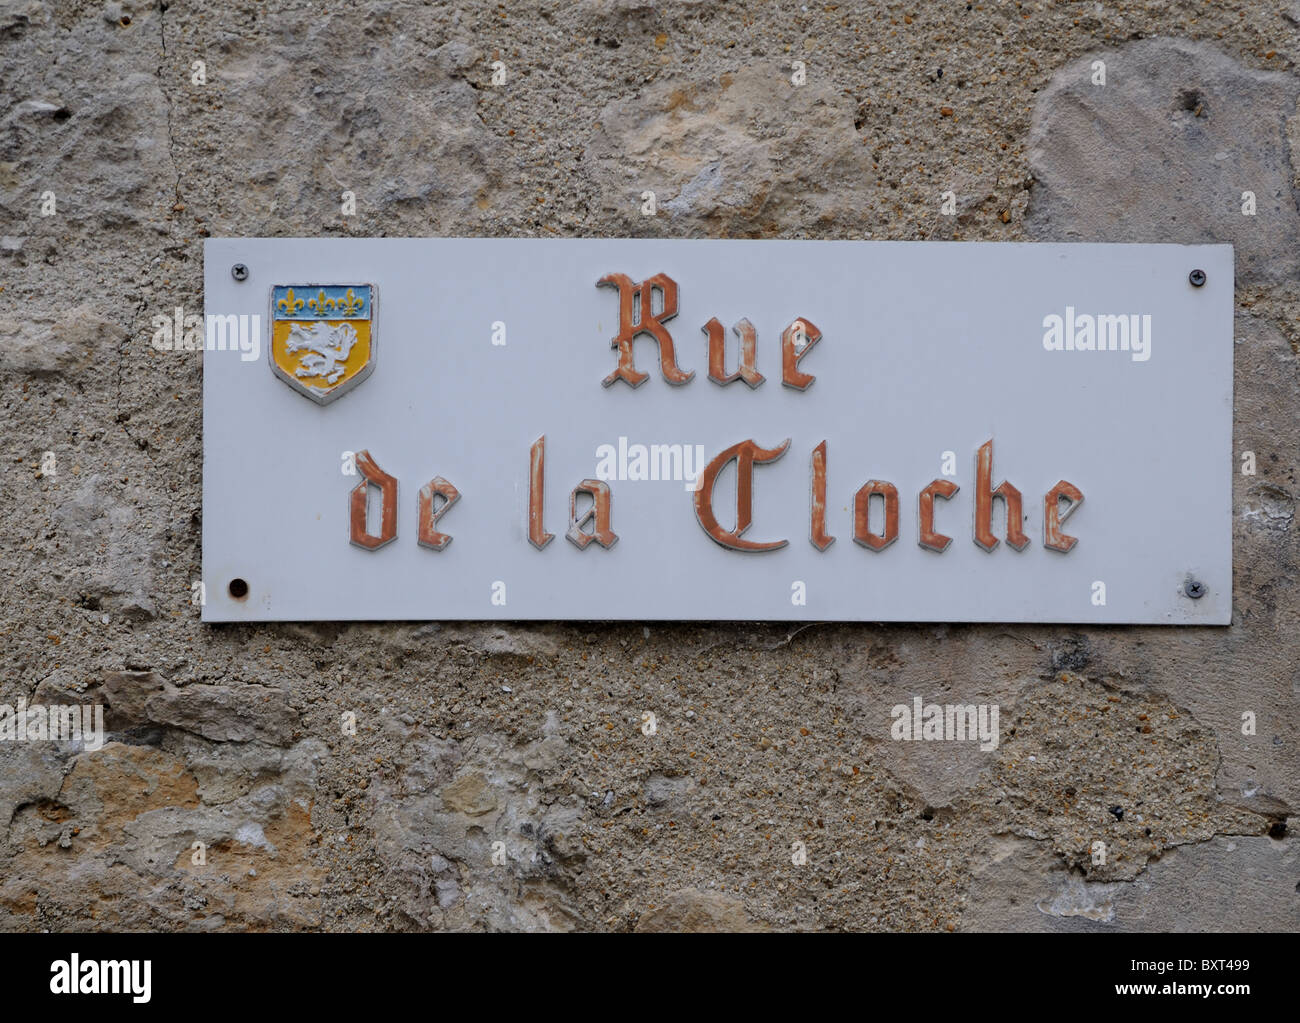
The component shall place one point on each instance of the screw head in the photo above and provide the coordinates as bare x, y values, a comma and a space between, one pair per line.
1194, 589
239, 272
1196, 278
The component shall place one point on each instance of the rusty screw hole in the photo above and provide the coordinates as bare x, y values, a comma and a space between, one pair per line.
125, 21
238, 589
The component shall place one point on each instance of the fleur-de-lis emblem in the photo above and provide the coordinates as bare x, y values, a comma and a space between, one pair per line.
349, 304
290, 304
320, 304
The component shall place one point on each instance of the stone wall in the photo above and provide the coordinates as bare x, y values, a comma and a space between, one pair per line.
470, 735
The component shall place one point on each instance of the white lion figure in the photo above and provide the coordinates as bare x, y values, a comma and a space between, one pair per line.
328, 348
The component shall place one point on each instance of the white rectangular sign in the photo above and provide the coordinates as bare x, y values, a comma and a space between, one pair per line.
659, 429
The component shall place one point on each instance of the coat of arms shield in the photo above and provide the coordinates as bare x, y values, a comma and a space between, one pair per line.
322, 337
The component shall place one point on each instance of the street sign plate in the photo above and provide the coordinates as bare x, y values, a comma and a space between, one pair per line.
717, 430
